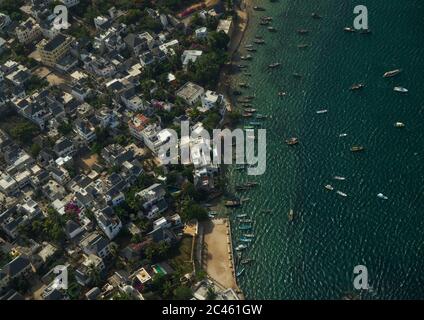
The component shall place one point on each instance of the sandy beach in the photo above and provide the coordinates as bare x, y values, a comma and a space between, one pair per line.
217, 257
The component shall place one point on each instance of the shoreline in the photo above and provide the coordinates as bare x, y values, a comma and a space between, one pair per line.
243, 9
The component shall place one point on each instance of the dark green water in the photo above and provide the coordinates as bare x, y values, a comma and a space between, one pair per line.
313, 257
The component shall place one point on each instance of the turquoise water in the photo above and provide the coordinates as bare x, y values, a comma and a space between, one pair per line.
313, 257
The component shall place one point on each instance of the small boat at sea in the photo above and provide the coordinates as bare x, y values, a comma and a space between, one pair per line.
259, 41
357, 86
251, 110
232, 203
341, 193
266, 210
242, 215
243, 239
315, 15
292, 141
251, 184
399, 125
329, 187
349, 29
240, 247
272, 29
339, 178
255, 123
282, 93
240, 272
246, 57
291, 215
274, 65
246, 261
245, 227
382, 196
261, 116
297, 75
400, 89
302, 31
322, 111
303, 46
390, 74
342, 135
357, 148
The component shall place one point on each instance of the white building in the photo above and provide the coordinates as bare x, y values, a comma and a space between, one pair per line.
201, 33
191, 93
190, 56
211, 100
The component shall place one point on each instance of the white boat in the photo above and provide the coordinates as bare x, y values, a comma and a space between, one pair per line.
341, 193
322, 111
241, 247
400, 89
339, 178
342, 135
329, 187
382, 196
399, 125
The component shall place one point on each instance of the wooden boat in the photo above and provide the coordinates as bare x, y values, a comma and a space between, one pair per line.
302, 31
303, 46
292, 141
291, 215
357, 148
390, 74
357, 86
315, 15
232, 203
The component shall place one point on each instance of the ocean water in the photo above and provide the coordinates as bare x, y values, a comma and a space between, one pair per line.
313, 257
